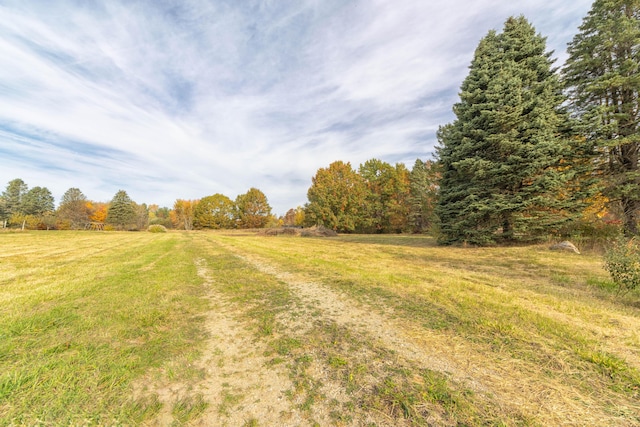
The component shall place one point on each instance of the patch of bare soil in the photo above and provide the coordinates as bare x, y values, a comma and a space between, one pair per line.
236, 382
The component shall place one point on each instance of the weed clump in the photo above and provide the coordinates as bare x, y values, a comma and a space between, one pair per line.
157, 228
622, 261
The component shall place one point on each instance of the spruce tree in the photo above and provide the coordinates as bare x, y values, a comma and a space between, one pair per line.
602, 77
122, 211
37, 201
12, 197
500, 158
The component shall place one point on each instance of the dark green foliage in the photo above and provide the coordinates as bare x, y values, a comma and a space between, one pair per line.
602, 76
252, 209
215, 212
501, 158
37, 201
122, 211
11, 199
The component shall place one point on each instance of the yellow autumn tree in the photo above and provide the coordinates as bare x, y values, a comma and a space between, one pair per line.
183, 213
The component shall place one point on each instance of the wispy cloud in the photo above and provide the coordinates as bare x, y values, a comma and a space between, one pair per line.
183, 99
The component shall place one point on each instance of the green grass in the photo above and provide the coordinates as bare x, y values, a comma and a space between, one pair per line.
529, 336
82, 315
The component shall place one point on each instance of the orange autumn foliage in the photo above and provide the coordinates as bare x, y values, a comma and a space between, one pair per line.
97, 211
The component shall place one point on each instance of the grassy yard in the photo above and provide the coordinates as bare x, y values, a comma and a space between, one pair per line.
232, 328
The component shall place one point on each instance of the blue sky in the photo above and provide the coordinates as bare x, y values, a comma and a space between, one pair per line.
171, 99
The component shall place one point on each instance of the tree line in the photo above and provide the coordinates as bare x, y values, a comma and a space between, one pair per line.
35, 209
533, 152
377, 198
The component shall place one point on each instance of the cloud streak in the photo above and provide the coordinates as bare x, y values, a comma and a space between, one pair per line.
184, 99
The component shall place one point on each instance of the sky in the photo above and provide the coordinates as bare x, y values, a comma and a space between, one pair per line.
182, 99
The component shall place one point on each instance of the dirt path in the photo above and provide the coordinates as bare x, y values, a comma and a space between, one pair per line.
351, 314
237, 384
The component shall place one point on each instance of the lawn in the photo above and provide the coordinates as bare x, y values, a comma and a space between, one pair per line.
231, 328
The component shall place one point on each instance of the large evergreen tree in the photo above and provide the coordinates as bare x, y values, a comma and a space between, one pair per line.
500, 158
12, 197
37, 201
122, 211
602, 75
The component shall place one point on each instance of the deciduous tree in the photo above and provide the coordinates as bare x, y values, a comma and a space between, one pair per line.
141, 219
73, 210
252, 209
423, 195
161, 216
97, 211
337, 198
294, 217
386, 206
214, 212
183, 213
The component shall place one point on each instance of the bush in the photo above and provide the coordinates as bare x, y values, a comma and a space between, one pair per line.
622, 261
157, 228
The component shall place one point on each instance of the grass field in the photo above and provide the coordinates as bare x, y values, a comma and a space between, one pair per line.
229, 328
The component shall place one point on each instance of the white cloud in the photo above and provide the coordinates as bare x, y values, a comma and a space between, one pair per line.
185, 99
